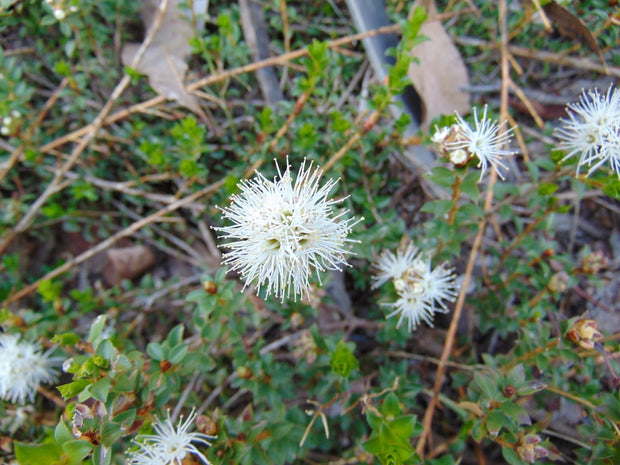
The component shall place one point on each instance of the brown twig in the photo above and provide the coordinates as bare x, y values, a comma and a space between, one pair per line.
54, 185
458, 308
549, 57
128, 231
30, 131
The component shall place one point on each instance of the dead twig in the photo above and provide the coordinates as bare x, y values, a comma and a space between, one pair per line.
128, 231
54, 186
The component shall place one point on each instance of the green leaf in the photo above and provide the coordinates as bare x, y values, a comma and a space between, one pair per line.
403, 426
77, 450
62, 433
101, 389
373, 420
411, 29
48, 453
494, 421
69, 390
469, 185
342, 361
531, 387
111, 432
387, 436
442, 176
516, 413
511, 456
156, 351
516, 375
50, 290
176, 336
66, 339
547, 188
391, 407
470, 212
177, 353
438, 207
126, 418
373, 446
102, 455
105, 349
486, 385
96, 328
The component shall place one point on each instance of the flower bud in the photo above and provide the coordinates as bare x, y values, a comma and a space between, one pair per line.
210, 287
558, 282
584, 333
593, 263
459, 157
59, 14
530, 450
509, 391
244, 372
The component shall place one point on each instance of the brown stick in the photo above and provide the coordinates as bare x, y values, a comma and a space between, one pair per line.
129, 230
458, 308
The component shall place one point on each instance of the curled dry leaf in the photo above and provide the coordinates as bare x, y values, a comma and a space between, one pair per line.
440, 77
164, 61
571, 26
127, 263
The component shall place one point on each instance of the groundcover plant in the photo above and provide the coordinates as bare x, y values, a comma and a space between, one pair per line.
225, 240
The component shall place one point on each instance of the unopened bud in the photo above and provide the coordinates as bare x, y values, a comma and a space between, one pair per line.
210, 287
297, 320
593, 263
459, 157
558, 282
509, 391
59, 14
530, 450
244, 372
584, 333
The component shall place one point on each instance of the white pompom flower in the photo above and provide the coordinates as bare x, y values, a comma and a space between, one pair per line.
486, 142
422, 290
283, 231
592, 130
393, 266
170, 445
23, 368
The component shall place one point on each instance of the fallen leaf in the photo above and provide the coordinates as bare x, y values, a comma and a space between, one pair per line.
164, 61
441, 75
127, 263
571, 26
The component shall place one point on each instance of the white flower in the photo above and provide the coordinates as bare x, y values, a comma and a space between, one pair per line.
282, 232
390, 266
59, 13
484, 142
23, 368
592, 130
422, 290
437, 284
412, 306
170, 445
441, 134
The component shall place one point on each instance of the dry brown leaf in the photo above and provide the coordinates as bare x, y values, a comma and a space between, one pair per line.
164, 61
127, 263
441, 74
571, 26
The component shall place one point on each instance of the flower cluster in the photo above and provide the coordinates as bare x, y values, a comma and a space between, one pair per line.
593, 130
170, 445
283, 231
60, 8
460, 142
23, 368
421, 289
10, 123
